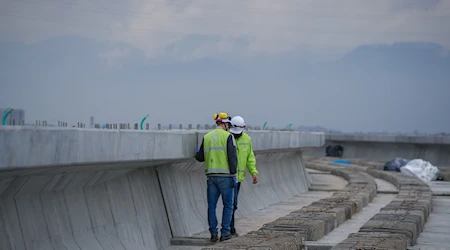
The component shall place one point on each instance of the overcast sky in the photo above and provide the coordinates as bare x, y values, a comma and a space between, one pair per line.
322, 25
324, 28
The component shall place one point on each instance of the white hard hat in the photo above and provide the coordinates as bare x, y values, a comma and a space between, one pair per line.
237, 125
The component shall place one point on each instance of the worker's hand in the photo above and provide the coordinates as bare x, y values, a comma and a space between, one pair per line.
255, 179
235, 181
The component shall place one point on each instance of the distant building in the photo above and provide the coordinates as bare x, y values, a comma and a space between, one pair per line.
16, 117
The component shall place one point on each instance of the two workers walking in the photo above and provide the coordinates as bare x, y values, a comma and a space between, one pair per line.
227, 151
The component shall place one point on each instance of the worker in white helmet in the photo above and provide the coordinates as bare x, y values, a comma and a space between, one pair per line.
246, 160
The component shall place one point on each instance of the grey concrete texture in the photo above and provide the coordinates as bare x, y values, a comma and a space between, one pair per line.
283, 140
262, 240
376, 241
432, 139
84, 211
436, 231
400, 222
45, 146
440, 187
281, 176
437, 154
355, 162
352, 225
315, 220
110, 189
253, 221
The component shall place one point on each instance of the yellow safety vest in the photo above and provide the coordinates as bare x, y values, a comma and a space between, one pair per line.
246, 156
215, 149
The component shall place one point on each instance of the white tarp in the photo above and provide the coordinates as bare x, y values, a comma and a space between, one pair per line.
420, 168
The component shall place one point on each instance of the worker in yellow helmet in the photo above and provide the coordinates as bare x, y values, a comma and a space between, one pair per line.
246, 160
218, 151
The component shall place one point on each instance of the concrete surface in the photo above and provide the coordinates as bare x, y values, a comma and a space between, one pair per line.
440, 188
84, 211
311, 222
352, 225
399, 223
435, 149
281, 177
70, 188
325, 181
67, 188
432, 139
255, 220
45, 146
385, 187
436, 234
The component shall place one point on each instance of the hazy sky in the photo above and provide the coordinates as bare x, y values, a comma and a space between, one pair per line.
231, 31
322, 25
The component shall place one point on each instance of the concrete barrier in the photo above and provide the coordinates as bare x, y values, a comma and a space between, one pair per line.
435, 149
70, 188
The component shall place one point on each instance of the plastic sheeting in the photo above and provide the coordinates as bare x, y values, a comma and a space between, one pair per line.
421, 169
341, 162
395, 164
334, 151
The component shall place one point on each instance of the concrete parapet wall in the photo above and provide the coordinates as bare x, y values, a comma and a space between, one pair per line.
69, 188
281, 176
85, 210
436, 140
435, 149
42, 146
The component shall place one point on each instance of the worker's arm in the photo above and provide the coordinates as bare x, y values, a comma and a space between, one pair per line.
251, 161
200, 155
232, 155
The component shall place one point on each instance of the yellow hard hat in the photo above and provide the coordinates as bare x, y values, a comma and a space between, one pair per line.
222, 117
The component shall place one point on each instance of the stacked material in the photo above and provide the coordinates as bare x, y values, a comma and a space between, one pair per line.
313, 221
398, 224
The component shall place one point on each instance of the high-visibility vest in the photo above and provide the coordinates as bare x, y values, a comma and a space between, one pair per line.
215, 149
246, 157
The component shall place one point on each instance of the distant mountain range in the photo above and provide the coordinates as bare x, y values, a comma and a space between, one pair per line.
85, 58
398, 84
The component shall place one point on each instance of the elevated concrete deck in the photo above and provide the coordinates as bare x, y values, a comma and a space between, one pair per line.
435, 149
70, 188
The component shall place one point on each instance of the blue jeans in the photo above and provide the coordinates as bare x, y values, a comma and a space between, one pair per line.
217, 186
236, 194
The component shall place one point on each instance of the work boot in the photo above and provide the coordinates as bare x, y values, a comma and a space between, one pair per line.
214, 238
234, 234
226, 237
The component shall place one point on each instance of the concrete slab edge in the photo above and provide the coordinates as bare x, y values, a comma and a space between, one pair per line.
53, 147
